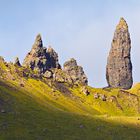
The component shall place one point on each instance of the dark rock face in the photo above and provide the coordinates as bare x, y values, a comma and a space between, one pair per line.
119, 67
75, 72
52, 58
41, 59
17, 62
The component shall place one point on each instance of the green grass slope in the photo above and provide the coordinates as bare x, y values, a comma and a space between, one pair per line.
32, 109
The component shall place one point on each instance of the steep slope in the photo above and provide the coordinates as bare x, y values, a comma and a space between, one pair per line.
70, 97
39, 108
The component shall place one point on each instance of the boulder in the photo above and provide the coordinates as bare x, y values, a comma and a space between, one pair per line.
3, 111
48, 74
96, 96
85, 91
103, 97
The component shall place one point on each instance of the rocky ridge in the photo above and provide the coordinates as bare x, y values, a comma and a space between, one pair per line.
45, 62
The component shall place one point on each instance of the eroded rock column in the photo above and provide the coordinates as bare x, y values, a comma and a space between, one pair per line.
119, 66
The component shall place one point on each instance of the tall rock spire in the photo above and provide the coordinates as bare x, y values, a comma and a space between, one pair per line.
119, 66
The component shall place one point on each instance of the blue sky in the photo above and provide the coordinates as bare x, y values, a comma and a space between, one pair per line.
82, 29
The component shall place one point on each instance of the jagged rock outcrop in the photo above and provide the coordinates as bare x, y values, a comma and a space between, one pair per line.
40, 58
44, 62
75, 72
17, 62
119, 67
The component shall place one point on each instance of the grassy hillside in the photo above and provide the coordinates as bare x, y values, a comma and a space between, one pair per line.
33, 109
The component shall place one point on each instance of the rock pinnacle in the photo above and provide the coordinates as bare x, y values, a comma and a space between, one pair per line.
119, 66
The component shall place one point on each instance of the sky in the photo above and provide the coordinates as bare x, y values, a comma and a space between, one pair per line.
80, 29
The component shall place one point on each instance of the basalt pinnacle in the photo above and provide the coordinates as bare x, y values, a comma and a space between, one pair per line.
119, 66
40, 58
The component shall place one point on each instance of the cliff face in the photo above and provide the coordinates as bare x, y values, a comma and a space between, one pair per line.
119, 66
